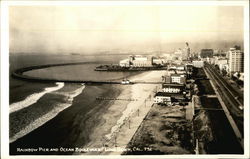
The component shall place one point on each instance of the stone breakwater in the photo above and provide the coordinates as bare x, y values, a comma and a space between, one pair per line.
18, 73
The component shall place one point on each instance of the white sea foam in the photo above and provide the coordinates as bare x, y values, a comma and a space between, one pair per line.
125, 116
45, 118
33, 98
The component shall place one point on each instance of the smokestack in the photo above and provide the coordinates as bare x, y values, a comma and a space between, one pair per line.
187, 44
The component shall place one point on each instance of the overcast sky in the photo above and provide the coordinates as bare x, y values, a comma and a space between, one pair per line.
91, 28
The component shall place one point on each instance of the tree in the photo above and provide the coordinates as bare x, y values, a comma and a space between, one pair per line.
238, 75
240, 83
217, 67
224, 72
237, 47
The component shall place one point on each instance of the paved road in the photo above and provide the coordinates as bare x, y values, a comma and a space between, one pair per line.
238, 97
230, 97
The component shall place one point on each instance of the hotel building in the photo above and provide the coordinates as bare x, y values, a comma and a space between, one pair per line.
236, 60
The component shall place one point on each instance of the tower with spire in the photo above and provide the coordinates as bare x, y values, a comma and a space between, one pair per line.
187, 51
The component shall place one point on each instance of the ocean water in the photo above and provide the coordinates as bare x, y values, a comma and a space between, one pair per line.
26, 119
19, 90
34, 106
78, 72
33, 98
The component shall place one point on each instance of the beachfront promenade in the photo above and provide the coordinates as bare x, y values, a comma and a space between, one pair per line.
125, 115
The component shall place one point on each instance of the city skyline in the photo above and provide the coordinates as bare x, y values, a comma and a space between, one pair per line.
123, 78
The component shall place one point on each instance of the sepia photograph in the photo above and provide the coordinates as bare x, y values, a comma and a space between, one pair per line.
125, 79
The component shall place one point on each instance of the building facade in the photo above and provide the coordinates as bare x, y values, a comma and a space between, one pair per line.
206, 53
162, 98
172, 88
198, 64
137, 61
141, 61
168, 98
235, 60
178, 78
187, 52
222, 63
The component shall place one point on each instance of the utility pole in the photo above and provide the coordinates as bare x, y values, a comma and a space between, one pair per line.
115, 141
197, 147
129, 123
103, 143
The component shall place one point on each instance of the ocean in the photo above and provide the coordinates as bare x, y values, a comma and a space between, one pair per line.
54, 115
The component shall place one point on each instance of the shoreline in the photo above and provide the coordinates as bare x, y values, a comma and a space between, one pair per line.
76, 122
114, 132
101, 118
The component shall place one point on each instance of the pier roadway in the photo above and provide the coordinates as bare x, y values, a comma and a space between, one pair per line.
18, 74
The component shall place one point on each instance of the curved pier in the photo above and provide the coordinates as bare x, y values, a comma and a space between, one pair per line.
18, 73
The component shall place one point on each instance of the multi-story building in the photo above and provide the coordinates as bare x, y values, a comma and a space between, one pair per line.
178, 78
141, 61
168, 98
222, 63
137, 61
235, 60
198, 64
162, 98
173, 88
186, 53
206, 53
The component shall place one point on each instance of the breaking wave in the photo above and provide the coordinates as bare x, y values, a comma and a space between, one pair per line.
51, 114
33, 98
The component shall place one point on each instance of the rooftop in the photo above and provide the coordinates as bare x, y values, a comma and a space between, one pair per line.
166, 94
178, 74
173, 85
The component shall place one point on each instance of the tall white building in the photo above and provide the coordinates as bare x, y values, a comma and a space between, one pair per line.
236, 60
198, 64
222, 63
187, 53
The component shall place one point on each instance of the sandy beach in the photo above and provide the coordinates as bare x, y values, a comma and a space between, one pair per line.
121, 120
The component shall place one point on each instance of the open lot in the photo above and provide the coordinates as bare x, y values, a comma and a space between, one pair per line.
204, 87
164, 131
222, 139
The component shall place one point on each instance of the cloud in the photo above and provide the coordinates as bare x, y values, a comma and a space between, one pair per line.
84, 28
